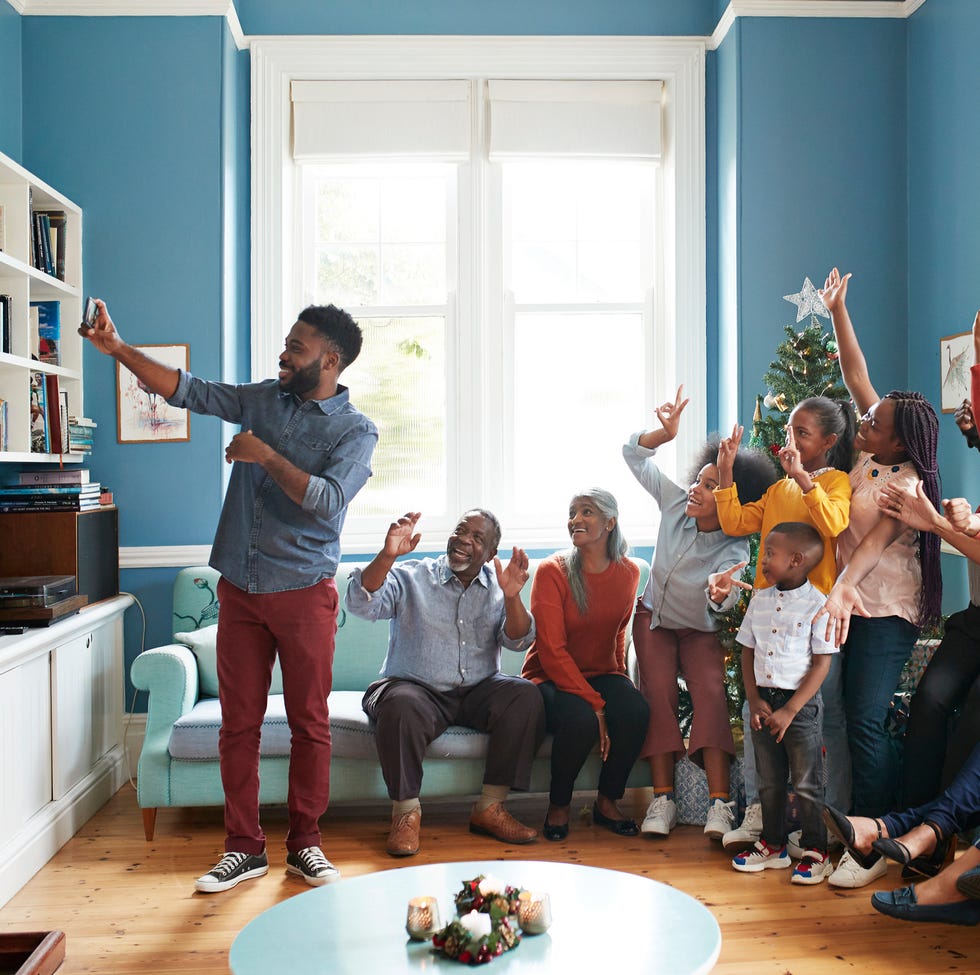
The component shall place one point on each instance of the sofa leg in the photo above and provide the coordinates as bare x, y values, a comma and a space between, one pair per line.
149, 823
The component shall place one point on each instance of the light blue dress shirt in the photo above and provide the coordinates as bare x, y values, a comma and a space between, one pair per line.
265, 542
676, 591
441, 635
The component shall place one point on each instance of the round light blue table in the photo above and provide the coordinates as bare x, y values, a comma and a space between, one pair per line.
606, 918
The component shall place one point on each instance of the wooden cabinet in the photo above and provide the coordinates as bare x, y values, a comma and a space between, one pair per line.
84, 544
21, 195
61, 747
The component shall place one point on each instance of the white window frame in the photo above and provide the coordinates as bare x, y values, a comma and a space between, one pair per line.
678, 348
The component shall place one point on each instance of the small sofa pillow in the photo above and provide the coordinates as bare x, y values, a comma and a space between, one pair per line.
203, 644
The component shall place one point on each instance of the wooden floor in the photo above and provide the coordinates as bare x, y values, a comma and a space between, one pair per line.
128, 906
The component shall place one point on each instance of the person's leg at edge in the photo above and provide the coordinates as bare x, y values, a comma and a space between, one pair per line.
945, 684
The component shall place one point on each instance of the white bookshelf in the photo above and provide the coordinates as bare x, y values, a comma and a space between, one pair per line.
19, 190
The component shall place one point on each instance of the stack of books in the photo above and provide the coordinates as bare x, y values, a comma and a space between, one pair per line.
51, 491
80, 434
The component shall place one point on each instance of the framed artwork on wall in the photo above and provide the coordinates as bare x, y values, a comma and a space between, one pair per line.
955, 359
145, 417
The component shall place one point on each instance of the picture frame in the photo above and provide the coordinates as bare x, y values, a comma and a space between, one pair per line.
955, 360
145, 417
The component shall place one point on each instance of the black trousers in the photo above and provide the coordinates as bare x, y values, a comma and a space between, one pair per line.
951, 682
409, 715
576, 732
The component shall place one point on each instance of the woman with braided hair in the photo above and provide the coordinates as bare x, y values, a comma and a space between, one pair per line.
889, 584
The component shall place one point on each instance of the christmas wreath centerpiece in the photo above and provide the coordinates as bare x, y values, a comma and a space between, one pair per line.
486, 925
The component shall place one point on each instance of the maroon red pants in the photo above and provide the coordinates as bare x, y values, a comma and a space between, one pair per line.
300, 625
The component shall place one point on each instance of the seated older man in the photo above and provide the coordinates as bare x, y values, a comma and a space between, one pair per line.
450, 616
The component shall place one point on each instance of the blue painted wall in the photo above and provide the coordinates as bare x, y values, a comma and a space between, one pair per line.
11, 83
822, 129
944, 223
457, 17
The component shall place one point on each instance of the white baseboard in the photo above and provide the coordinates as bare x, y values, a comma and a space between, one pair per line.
30, 848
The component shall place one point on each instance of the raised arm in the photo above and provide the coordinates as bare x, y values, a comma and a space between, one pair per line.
400, 540
517, 621
852, 362
669, 415
154, 375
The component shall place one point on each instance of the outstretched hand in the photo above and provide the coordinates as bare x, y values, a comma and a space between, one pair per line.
720, 584
402, 537
512, 579
728, 448
103, 335
669, 414
914, 510
842, 603
834, 291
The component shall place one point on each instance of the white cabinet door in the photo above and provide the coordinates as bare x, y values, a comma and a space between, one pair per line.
72, 693
25, 743
86, 703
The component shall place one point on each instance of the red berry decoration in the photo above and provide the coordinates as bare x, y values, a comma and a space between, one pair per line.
465, 957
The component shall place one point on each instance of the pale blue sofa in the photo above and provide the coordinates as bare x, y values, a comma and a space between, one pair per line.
178, 764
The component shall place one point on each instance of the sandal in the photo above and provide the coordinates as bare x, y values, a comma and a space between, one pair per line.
930, 864
839, 825
893, 849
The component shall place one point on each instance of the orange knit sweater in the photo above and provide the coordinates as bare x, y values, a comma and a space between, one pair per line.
571, 647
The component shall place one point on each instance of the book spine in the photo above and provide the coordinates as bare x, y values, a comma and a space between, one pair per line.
51, 490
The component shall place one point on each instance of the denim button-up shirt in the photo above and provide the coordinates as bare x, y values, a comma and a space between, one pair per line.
441, 634
265, 542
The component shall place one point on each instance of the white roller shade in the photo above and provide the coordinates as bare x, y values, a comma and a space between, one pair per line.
337, 120
576, 119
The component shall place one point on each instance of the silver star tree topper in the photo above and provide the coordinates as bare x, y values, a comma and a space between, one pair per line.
807, 302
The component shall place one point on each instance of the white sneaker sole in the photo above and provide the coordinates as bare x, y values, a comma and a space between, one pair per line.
655, 829
205, 886
775, 864
809, 881
314, 881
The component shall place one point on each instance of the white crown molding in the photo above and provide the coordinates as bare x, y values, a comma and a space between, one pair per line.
889, 9
136, 8
163, 556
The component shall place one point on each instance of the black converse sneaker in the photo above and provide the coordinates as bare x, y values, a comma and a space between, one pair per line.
312, 866
232, 869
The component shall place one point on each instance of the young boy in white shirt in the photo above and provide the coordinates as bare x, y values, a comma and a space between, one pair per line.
785, 658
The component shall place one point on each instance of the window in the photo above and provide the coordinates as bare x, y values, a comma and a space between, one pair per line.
515, 271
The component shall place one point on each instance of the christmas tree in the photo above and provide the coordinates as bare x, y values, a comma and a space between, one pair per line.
805, 365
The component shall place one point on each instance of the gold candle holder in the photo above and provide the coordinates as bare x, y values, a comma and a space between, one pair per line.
534, 912
423, 918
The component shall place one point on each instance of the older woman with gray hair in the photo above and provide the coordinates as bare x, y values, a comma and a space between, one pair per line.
582, 601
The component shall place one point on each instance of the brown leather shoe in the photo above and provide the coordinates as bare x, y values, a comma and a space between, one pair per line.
495, 821
403, 840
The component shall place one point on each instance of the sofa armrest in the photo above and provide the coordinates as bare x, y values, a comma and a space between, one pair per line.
169, 674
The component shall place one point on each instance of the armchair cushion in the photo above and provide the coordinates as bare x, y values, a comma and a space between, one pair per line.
203, 644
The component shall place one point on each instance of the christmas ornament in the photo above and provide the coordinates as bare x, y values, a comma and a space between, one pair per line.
807, 302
